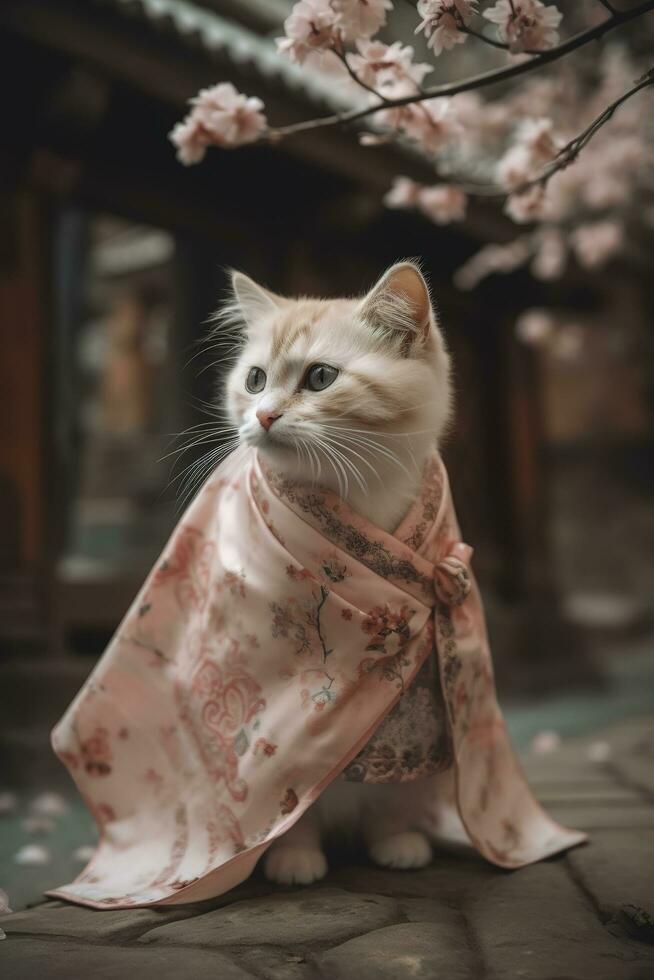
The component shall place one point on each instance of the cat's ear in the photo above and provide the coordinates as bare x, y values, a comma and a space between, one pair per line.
399, 305
252, 300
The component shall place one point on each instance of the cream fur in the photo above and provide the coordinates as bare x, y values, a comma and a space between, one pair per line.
386, 410
366, 436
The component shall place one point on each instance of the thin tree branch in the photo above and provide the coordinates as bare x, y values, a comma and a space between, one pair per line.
482, 80
487, 40
496, 44
565, 156
568, 153
342, 57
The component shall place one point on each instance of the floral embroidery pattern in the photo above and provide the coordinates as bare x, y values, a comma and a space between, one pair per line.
220, 702
368, 550
189, 565
388, 630
345, 635
431, 495
178, 848
267, 748
413, 741
289, 802
96, 753
299, 620
234, 582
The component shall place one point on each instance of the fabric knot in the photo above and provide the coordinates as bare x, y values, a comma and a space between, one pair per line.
452, 575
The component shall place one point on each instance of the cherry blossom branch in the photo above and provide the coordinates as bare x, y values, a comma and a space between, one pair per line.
568, 153
342, 57
482, 80
494, 43
488, 40
565, 156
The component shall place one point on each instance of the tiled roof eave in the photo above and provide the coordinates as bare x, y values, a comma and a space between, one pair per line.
242, 47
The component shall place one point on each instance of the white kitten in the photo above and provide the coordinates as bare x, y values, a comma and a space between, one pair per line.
354, 394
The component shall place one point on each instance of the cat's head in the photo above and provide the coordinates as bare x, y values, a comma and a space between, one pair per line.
322, 383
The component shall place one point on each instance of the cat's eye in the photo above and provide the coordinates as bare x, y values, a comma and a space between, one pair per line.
256, 380
320, 376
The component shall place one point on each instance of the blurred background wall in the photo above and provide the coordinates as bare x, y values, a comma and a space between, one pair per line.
113, 256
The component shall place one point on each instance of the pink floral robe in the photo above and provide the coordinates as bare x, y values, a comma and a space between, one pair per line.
262, 658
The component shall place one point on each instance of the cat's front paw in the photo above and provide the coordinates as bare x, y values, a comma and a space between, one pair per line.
295, 865
408, 850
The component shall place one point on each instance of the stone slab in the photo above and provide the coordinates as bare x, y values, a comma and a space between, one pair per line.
449, 878
419, 950
430, 910
25, 958
537, 924
273, 963
285, 918
93, 925
617, 870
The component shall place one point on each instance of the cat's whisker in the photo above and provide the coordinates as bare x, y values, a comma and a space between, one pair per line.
233, 343
381, 435
376, 446
194, 474
339, 471
363, 443
187, 475
300, 443
342, 455
359, 435
315, 456
207, 437
358, 455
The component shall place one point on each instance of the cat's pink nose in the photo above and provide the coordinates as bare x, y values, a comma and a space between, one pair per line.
267, 417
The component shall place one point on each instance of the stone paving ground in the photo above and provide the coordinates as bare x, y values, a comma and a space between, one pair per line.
587, 915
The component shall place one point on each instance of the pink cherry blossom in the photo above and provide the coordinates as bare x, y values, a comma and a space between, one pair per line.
431, 123
443, 203
493, 258
361, 18
191, 139
232, 118
220, 116
403, 193
484, 124
382, 66
525, 25
312, 25
595, 243
442, 21
550, 254
534, 147
528, 206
